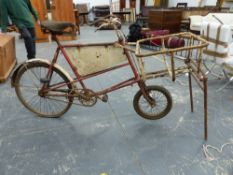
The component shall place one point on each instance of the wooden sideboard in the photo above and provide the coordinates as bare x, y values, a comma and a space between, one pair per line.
7, 56
160, 19
186, 12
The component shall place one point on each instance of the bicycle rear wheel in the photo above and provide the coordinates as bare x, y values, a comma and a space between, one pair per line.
28, 83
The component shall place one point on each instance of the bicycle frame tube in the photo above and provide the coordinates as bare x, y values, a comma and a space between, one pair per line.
78, 78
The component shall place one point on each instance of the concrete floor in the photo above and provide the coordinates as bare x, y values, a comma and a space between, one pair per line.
111, 137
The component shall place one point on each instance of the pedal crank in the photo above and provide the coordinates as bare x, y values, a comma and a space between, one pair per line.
86, 97
104, 98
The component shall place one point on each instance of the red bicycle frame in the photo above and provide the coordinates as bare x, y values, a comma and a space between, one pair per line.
136, 79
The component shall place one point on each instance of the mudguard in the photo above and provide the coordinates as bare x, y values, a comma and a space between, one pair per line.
39, 60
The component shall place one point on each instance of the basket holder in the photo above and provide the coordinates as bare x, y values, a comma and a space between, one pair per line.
190, 53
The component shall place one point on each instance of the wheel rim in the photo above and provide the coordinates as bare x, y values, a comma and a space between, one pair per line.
29, 85
157, 108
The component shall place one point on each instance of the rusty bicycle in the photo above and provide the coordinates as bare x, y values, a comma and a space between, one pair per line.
47, 89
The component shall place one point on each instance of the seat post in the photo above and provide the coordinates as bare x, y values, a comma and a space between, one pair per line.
55, 38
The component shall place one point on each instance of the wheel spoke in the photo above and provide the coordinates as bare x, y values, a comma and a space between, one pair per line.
28, 88
30, 72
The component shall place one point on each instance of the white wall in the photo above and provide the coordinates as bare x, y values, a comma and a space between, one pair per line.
93, 2
228, 4
107, 2
172, 3
191, 3
149, 2
211, 2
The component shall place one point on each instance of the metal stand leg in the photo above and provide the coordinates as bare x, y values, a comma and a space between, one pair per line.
205, 109
191, 91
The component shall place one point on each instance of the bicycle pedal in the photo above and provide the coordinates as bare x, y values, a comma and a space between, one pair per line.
104, 98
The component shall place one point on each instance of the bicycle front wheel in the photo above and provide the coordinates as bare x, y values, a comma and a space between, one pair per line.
29, 82
162, 103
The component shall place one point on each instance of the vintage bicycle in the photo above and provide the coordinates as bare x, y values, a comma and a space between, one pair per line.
46, 89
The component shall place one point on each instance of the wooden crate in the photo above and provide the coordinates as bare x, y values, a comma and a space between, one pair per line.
7, 56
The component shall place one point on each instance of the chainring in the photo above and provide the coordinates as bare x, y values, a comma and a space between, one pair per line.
86, 97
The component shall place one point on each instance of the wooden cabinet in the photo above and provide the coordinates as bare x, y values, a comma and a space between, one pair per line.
40, 7
7, 55
165, 19
122, 4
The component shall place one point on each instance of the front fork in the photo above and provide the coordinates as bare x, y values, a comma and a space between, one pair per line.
145, 93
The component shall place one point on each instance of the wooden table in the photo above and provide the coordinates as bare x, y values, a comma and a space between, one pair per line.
7, 56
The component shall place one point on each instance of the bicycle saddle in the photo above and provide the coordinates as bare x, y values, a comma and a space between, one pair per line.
56, 27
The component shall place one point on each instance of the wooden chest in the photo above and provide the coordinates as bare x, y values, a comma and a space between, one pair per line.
7, 55
160, 19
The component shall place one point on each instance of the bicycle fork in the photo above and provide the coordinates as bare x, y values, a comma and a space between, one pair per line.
145, 93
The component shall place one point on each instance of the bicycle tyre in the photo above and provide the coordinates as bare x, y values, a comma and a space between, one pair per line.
32, 75
152, 91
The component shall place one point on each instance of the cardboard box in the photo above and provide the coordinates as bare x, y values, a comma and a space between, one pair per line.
7, 55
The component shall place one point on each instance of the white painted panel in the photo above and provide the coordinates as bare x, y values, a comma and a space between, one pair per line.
90, 59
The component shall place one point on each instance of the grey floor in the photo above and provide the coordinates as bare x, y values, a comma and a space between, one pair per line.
111, 137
